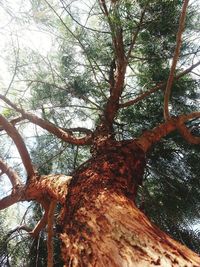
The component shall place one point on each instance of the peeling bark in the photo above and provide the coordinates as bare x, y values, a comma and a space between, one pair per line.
103, 227
110, 231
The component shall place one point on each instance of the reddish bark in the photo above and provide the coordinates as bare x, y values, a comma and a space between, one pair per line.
101, 224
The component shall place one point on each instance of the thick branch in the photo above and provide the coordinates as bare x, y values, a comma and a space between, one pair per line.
50, 127
157, 87
148, 138
54, 186
78, 129
42, 223
12, 175
16, 196
16, 137
187, 135
116, 87
13, 122
175, 60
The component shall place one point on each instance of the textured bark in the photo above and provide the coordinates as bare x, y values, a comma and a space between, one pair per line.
110, 231
101, 224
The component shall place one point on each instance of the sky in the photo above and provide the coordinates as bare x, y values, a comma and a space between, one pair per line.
22, 34
15, 29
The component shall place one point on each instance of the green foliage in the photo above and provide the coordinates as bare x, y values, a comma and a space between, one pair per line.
14, 245
170, 194
70, 85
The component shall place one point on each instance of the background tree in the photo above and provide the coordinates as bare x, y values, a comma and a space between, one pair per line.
102, 85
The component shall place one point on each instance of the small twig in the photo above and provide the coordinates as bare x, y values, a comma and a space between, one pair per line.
15, 69
136, 32
83, 26
80, 43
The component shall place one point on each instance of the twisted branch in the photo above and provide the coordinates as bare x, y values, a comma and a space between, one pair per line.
50, 127
21, 147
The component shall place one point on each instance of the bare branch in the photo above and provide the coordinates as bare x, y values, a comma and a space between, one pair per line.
50, 127
13, 122
157, 87
16, 137
78, 129
40, 225
187, 135
18, 228
175, 59
40, 189
16, 196
12, 175
148, 138
117, 81
43, 222
103, 7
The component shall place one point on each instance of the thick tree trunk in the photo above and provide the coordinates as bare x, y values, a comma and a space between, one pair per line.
101, 224
110, 231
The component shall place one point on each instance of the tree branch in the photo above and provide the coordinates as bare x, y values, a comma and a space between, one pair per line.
13, 122
53, 186
75, 20
12, 175
42, 222
78, 129
116, 87
148, 138
38, 227
136, 32
16, 196
16, 137
41, 190
175, 59
50, 127
187, 135
15, 69
157, 87
18, 228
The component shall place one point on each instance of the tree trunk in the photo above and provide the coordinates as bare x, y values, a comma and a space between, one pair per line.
101, 224
110, 231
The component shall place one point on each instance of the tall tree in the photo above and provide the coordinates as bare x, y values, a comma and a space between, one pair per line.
110, 60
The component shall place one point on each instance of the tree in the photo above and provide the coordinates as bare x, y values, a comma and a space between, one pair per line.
99, 223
